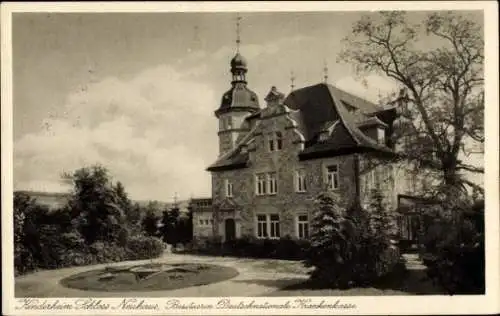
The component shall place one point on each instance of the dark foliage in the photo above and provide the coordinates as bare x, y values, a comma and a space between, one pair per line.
350, 246
453, 248
250, 247
93, 228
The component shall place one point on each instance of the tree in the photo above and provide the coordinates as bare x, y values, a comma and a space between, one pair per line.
442, 94
95, 205
329, 251
150, 221
170, 225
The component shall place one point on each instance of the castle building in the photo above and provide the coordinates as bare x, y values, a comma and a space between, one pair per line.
274, 160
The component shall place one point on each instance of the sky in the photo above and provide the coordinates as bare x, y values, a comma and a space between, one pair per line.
136, 92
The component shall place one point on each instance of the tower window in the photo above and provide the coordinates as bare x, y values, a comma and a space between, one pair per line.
227, 122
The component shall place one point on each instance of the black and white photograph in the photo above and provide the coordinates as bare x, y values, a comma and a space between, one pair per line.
171, 160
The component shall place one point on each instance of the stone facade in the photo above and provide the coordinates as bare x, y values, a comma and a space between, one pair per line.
334, 140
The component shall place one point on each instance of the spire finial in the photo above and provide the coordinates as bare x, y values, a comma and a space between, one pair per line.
325, 72
238, 39
292, 80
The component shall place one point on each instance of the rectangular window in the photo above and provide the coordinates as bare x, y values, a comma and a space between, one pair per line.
381, 135
268, 226
261, 226
303, 227
271, 143
273, 183
260, 181
275, 141
279, 140
229, 188
333, 177
300, 180
275, 226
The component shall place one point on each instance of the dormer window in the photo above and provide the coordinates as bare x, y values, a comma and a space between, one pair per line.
380, 135
275, 141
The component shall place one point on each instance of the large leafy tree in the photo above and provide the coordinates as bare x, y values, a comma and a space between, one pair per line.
96, 206
438, 65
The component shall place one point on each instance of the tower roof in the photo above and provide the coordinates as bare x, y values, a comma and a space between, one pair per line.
238, 98
238, 62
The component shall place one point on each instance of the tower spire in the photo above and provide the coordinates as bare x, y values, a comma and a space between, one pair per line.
325, 72
238, 39
292, 80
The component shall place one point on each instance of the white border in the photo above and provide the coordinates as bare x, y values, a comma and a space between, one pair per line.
365, 305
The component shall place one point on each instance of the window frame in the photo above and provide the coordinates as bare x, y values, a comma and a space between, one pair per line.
266, 227
300, 180
272, 181
334, 181
261, 226
302, 227
275, 141
229, 188
260, 184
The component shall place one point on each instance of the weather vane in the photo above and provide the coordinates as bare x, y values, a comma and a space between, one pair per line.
238, 39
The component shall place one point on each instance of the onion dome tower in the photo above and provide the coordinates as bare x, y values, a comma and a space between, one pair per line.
237, 103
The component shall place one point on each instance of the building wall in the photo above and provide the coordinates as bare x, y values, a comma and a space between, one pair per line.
287, 202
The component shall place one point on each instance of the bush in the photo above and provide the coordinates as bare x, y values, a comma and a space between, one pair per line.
144, 247
453, 250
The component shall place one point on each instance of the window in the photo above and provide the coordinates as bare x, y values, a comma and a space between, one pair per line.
275, 141
266, 183
260, 187
206, 221
275, 226
300, 180
268, 226
227, 122
273, 184
380, 135
333, 177
229, 188
303, 227
261, 226
279, 140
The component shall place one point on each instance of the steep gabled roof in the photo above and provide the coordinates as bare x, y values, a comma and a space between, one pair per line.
347, 137
314, 108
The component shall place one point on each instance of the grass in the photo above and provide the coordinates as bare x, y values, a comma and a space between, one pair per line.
400, 282
182, 276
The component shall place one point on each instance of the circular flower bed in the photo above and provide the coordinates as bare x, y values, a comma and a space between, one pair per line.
149, 277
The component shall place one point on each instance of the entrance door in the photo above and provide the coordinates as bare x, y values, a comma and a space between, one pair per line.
230, 229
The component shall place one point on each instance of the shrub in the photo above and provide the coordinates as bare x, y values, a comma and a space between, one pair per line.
454, 250
144, 247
